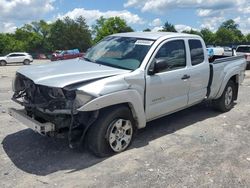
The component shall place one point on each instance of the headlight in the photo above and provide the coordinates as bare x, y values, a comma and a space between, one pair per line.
18, 83
70, 94
82, 98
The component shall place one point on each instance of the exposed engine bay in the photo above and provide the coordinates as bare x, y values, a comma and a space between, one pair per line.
55, 105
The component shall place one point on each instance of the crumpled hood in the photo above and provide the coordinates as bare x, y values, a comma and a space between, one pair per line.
62, 73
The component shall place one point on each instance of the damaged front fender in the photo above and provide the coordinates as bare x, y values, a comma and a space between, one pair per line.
131, 97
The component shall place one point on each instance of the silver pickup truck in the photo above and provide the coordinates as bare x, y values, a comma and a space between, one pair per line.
123, 82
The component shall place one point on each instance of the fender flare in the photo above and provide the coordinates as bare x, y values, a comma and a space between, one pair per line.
225, 81
131, 97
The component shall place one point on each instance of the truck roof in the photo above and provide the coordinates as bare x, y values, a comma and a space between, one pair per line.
243, 46
154, 35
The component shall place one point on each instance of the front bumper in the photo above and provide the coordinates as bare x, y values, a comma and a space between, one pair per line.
41, 128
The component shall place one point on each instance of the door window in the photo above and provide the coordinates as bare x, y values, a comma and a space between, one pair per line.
174, 54
20, 55
196, 50
12, 55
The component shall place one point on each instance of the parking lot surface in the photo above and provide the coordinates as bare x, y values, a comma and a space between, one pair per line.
197, 147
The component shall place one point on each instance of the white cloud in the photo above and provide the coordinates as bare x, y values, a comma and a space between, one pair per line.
157, 28
7, 27
178, 27
160, 6
244, 24
156, 22
181, 27
22, 11
211, 12
212, 23
92, 15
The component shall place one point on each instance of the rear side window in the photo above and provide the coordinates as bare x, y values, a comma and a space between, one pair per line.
196, 50
244, 49
13, 55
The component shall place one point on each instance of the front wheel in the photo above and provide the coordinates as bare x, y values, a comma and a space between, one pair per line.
3, 63
112, 132
26, 62
225, 102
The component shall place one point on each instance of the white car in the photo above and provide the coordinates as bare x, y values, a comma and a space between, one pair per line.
17, 57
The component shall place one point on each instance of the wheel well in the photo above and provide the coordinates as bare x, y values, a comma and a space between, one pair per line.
129, 106
235, 79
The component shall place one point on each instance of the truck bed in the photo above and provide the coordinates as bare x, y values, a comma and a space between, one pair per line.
219, 68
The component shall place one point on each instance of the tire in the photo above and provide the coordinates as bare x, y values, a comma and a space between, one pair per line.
3, 63
248, 66
26, 62
112, 132
226, 101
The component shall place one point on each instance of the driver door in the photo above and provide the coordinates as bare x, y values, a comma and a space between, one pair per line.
11, 58
167, 90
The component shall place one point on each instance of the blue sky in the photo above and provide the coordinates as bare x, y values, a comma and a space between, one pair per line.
139, 14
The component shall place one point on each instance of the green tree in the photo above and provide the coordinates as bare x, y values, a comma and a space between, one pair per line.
70, 34
108, 26
36, 36
208, 36
41, 27
248, 37
168, 27
224, 36
2, 43
32, 42
147, 30
8, 44
231, 26
191, 31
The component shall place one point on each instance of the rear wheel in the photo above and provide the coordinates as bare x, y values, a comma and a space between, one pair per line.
3, 63
225, 102
248, 66
112, 132
26, 62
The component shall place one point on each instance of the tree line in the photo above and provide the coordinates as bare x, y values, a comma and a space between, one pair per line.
66, 33
228, 33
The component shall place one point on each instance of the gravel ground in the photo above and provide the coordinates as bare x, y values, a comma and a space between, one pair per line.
197, 147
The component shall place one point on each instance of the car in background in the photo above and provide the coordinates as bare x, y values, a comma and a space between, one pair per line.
227, 49
215, 51
244, 50
16, 57
66, 54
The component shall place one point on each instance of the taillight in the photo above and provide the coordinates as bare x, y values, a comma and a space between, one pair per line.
246, 56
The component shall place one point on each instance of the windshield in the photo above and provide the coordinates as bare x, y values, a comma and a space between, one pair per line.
244, 49
120, 52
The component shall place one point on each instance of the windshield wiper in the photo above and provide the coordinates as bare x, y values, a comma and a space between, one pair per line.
89, 60
112, 65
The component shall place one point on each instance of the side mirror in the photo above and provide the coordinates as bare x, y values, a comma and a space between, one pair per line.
157, 66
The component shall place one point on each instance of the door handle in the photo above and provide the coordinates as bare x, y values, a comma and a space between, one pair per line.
185, 77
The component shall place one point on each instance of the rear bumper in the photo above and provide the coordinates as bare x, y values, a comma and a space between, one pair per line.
41, 128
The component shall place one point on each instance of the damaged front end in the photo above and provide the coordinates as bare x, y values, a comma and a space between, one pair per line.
54, 105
